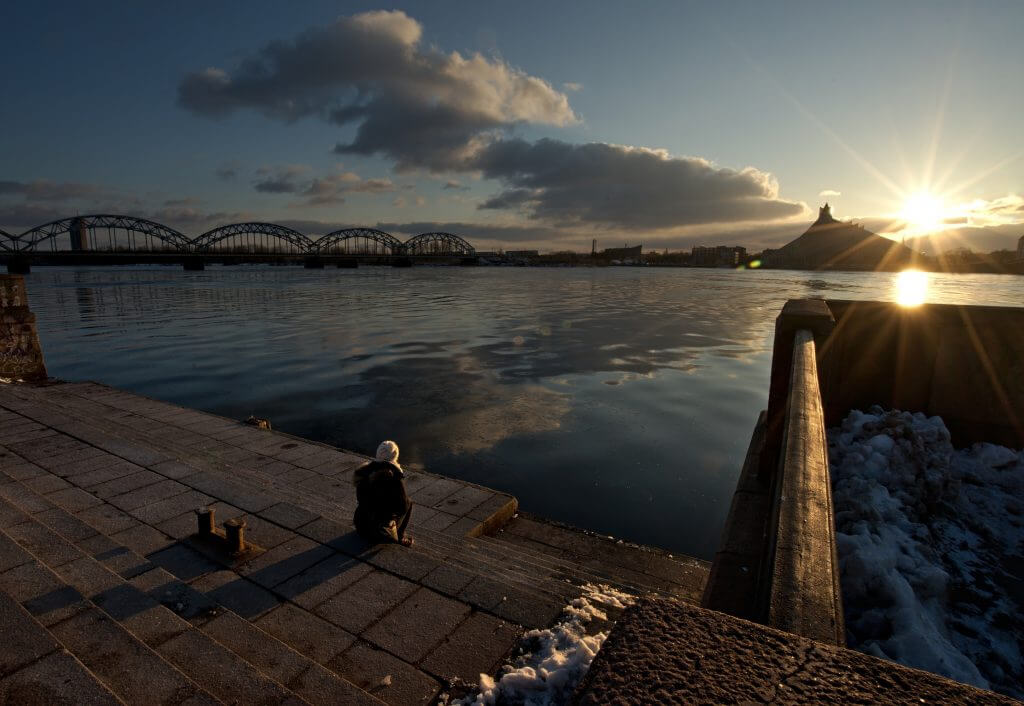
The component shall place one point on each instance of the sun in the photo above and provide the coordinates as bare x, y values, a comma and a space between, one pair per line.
923, 212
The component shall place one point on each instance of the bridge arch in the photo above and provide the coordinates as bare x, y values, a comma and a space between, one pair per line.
7, 241
358, 241
437, 243
102, 232
253, 238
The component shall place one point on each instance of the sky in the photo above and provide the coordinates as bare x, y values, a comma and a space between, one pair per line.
520, 124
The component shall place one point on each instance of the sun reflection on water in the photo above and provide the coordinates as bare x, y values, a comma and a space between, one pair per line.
911, 288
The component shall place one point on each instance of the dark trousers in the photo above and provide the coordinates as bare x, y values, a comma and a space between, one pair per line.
403, 521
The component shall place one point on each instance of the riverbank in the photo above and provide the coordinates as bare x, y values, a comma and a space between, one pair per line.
106, 577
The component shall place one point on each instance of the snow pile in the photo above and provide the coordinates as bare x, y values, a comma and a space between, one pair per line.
931, 547
556, 658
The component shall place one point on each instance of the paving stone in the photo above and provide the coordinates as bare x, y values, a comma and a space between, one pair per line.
45, 484
97, 545
173, 469
43, 543
385, 676
11, 554
66, 525
42, 593
136, 453
288, 515
476, 647
362, 603
432, 493
149, 494
23, 498
270, 656
461, 527
10, 515
73, 499
408, 563
323, 580
124, 562
21, 470
223, 673
265, 534
76, 468
88, 576
56, 680
143, 539
125, 665
143, 616
308, 634
436, 522
183, 562
235, 492
107, 519
185, 601
464, 500
158, 512
105, 474
24, 639
285, 561
488, 507
417, 625
320, 686
448, 579
125, 483
332, 533
236, 594
526, 609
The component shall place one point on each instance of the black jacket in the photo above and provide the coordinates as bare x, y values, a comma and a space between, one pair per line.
380, 493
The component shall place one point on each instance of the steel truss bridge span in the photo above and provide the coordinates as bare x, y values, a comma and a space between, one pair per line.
110, 233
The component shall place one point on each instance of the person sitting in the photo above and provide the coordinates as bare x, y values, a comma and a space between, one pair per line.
383, 509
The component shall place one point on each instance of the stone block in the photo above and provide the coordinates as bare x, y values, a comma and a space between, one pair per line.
23, 498
45, 484
417, 625
364, 602
269, 655
149, 494
140, 614
476, 647
11, 554
73, 499
173, 469
464, 500
409, 563
24, 640
124, 483
158, 512
130, 669
43, 543
237, 594
124, 562
56, 680
384, 676
66, 525
448, 579
319, 685
308, 634
288, 515
185, 601
183, 562
88, 576
143, 539
220, 671
323, 580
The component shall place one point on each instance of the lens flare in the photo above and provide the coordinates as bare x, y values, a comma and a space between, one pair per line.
911, 288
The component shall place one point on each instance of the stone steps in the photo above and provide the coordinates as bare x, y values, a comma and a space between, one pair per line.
112, 579
36, 669
507, 562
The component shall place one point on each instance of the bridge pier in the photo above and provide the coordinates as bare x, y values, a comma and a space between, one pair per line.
193, 263
18, 265
313, 263
401, 262
348, 262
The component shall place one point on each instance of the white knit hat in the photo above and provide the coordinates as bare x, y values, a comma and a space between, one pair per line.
387, 451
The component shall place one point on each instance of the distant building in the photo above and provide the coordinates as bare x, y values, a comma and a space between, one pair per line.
1020, 248
522, 253
718, 256
624, 253
79, 235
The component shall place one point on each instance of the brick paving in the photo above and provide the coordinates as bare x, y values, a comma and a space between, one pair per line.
99, 565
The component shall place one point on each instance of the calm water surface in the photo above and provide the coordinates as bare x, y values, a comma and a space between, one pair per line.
618, 399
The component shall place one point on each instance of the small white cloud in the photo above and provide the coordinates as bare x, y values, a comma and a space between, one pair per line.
572, 86
829, 192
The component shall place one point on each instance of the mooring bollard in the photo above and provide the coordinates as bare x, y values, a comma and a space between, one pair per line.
204, 516
234, 531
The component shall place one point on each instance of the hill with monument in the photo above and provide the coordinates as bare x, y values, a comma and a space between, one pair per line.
830, 244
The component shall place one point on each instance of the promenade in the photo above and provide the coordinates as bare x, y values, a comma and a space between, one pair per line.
109, 596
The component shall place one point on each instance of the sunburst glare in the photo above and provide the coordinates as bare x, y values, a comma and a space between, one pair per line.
911, 288
924, 212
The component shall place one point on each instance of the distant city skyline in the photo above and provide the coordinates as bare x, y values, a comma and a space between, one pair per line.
522, 126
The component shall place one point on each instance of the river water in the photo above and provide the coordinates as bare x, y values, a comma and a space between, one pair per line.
616, 399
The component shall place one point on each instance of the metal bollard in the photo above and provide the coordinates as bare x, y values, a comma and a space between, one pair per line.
204, 517
234, 531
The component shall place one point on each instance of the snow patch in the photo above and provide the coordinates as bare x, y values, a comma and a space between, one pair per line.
931, 547
558, 657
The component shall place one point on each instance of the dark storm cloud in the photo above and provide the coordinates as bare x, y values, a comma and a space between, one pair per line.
454, 185
326, 190
475, 231
227, 172
279, 180
621, 186
415, 104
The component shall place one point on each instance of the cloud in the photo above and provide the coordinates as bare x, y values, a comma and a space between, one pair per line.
454, 184
421, 107
227, 172
330, 189
629, 187
279, 180
43, 190
829, 192
572, 86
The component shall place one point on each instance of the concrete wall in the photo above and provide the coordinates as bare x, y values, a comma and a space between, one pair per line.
963, 363
21, 357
